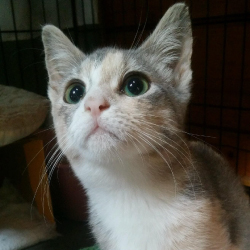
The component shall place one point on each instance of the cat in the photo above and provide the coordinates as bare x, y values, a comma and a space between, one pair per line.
119, 117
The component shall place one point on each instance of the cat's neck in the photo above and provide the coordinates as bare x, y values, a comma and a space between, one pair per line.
149, 171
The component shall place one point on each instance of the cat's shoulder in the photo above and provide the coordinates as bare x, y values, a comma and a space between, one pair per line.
214, 171
212, 166
202, 151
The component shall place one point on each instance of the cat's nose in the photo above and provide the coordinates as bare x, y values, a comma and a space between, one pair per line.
96, 105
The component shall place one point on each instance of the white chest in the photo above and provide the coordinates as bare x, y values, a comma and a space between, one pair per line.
128, 221
141, 218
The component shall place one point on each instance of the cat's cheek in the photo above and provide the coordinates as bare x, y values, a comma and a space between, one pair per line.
60, 128
79, 130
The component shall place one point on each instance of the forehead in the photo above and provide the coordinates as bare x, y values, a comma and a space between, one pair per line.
104, 66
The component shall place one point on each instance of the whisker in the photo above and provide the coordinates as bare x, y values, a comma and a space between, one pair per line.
132, 138
136, 31
43, 175
38, 154
160, 154
43, 130
188, 156
169, 152
139, 39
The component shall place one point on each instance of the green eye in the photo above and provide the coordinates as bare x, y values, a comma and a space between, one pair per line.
135, 85
74, 93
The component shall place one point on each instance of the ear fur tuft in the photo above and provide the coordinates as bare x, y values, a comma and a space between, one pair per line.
60, 53
169, 47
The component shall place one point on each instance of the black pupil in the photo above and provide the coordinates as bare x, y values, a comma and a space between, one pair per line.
76, 93
135, 86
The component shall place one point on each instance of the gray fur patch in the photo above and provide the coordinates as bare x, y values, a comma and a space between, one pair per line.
99, 55
66, 113
209, 184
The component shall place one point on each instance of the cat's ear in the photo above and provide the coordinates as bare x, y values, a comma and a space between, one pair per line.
61, 55
169, 47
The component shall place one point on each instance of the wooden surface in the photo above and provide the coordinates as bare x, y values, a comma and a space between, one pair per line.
38, 178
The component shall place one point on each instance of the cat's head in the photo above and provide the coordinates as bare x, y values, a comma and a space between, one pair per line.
132, 100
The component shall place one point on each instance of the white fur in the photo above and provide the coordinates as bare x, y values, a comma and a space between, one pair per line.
140, 216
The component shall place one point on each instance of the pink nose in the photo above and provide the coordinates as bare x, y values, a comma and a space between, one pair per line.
96, 105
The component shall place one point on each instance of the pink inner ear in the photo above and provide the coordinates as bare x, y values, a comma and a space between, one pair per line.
96, 105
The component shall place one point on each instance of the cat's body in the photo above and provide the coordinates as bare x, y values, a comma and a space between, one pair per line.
129, 211
119, 116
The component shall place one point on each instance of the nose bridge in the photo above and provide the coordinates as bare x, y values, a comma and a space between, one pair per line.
94, 93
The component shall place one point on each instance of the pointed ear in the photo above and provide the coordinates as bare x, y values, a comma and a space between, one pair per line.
61, 56
170, 46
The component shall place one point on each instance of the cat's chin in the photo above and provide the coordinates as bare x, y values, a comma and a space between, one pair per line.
100, 143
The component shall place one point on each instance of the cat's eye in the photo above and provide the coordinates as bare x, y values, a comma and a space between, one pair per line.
135, 85
74, 93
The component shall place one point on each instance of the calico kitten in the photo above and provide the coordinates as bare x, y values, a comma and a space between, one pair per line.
119, 116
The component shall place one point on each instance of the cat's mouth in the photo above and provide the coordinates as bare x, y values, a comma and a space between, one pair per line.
99, 131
